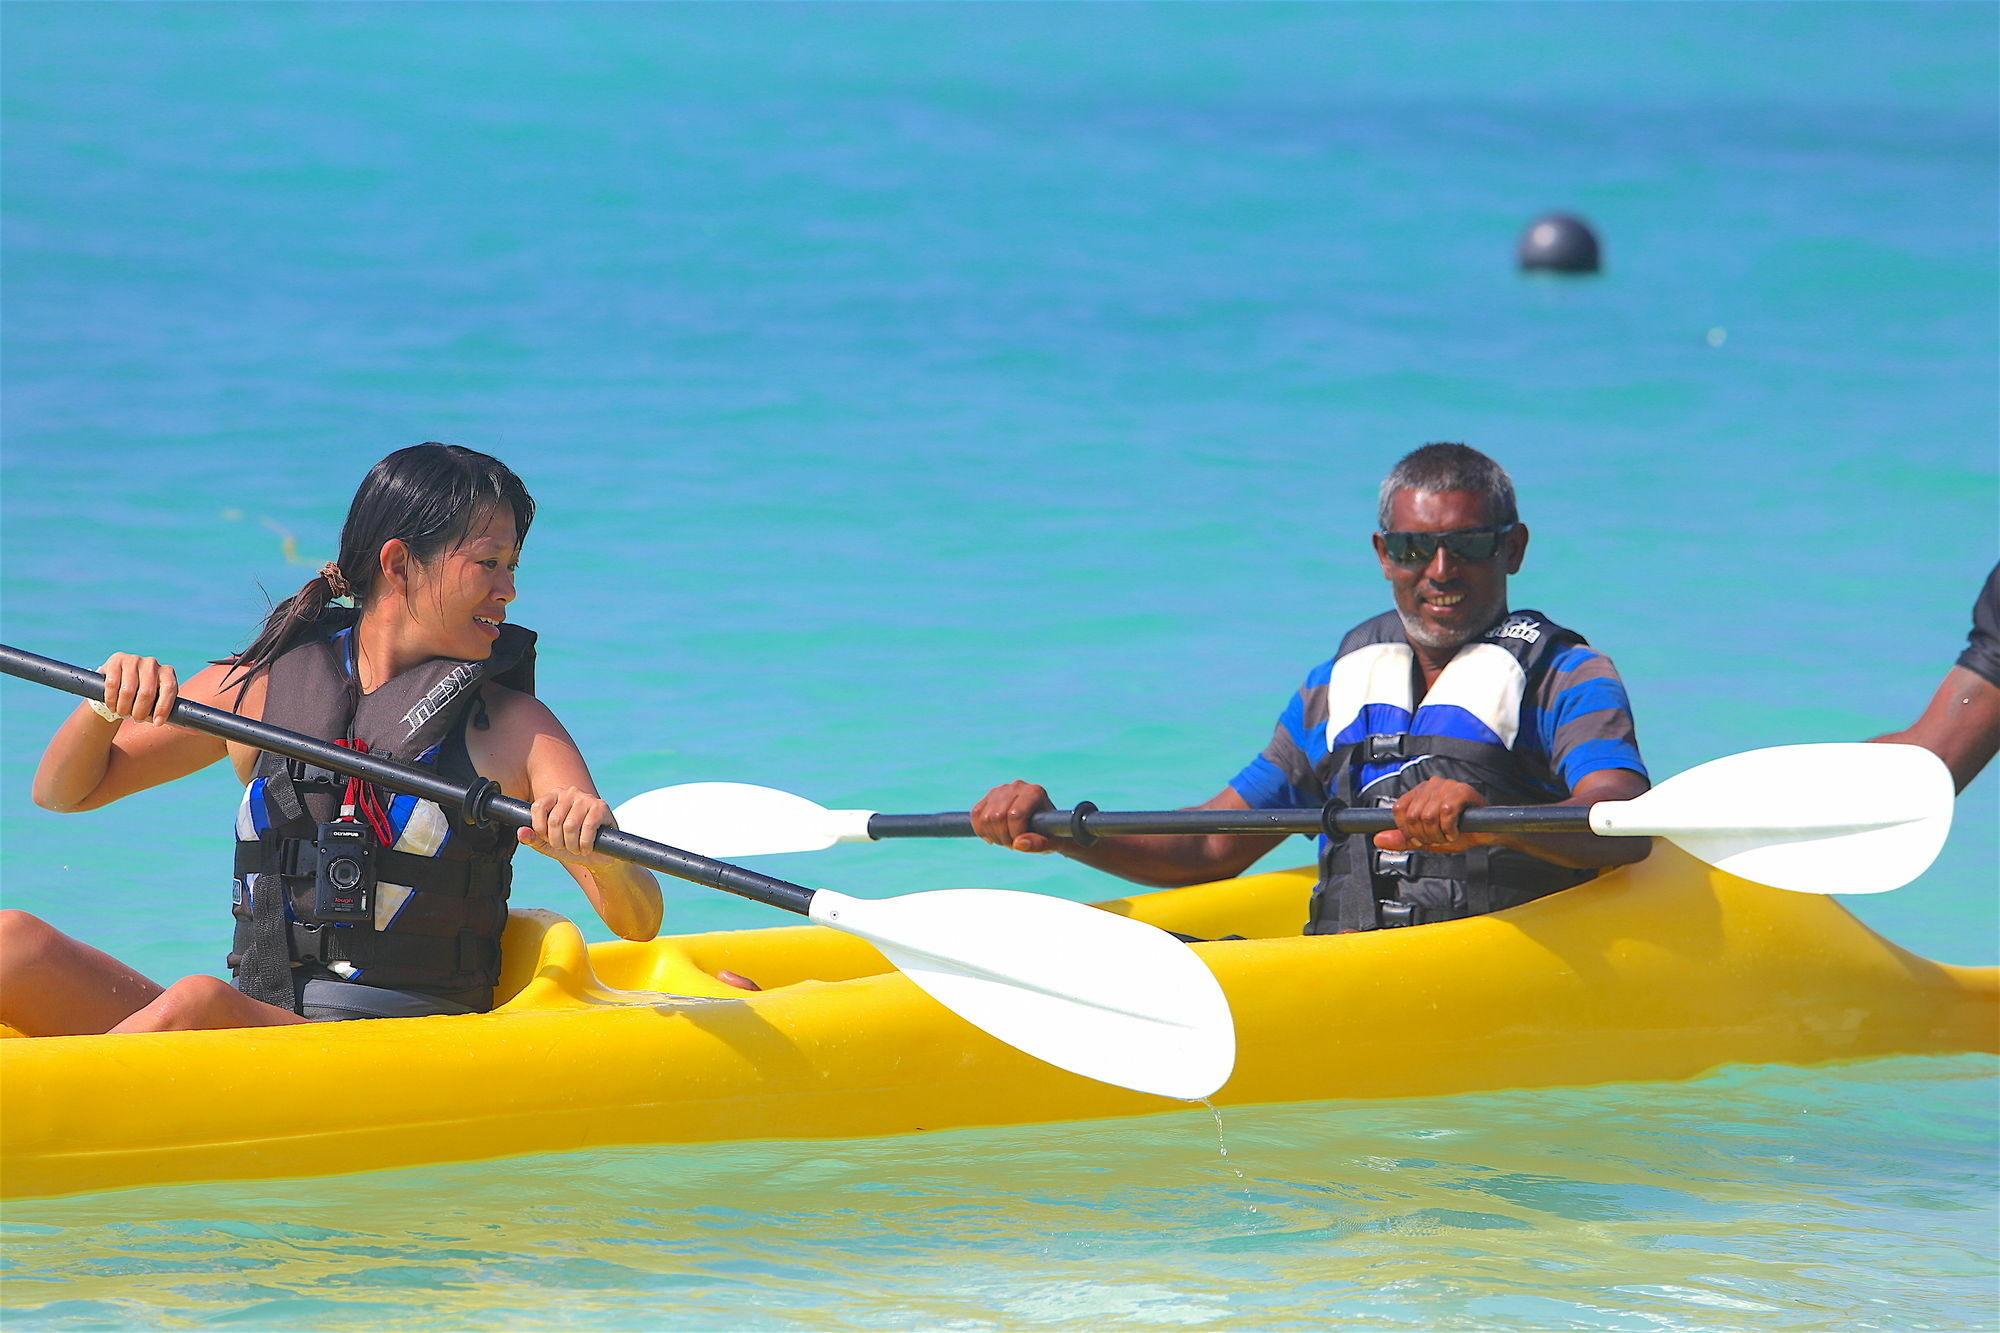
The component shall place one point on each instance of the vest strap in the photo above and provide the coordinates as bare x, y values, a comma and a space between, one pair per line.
1445, 747
1480, 897
262, 962
425, 874
468, 952
281, 797
1422, 865
1374, 749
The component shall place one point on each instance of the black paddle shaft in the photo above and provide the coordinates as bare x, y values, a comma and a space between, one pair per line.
1087, 822
479, 800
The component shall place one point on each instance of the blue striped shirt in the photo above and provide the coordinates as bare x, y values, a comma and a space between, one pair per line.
1578, 722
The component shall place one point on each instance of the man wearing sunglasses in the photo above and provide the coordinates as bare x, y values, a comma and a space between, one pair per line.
1446, 703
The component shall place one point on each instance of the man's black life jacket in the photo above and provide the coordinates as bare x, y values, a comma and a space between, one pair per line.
1382, 741
440, 901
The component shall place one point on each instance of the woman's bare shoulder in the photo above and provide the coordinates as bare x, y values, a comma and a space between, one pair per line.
516, 712
524, 746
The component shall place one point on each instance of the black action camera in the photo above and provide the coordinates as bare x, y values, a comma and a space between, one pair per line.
344, 872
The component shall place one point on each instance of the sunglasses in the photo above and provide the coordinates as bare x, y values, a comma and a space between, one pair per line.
1413, 550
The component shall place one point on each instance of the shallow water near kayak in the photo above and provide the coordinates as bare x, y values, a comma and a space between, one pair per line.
920, 397
1606, 1208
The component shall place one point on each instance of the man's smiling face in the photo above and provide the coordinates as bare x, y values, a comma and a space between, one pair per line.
1448, 600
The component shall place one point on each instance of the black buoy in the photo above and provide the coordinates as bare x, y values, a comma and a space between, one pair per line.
1559, 243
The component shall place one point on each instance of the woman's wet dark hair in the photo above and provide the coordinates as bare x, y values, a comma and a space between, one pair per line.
429, 496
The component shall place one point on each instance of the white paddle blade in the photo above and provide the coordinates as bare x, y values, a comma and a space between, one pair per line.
1841, 817
732, 819
1099, 995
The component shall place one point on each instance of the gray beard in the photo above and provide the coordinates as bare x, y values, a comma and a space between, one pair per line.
1438, 641
1424, 635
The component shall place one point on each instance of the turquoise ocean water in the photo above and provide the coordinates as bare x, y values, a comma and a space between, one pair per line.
925, 396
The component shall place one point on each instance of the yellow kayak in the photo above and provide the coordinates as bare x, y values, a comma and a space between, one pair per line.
1663, 970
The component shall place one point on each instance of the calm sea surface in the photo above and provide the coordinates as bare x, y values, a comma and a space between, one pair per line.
924, 396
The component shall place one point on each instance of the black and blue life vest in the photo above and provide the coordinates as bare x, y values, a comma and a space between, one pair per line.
1382, 741
440, 900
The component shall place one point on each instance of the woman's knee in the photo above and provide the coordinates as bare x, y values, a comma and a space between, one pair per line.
202, 990
52, 984
191, 1002
203, 1002
26, 939
32, 948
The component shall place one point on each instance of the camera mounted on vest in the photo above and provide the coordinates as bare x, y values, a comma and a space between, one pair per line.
340, 858
343, 871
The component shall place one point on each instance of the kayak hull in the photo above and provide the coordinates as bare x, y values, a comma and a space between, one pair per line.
1659, 971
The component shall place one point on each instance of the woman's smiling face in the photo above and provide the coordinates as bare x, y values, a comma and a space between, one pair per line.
460, 598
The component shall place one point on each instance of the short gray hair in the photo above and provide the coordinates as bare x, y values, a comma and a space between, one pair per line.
1451, 467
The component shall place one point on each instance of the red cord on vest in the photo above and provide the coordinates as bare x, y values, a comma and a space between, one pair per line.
364, 797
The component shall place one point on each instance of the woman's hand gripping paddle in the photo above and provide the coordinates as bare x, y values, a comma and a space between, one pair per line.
1841, 817
1099, 995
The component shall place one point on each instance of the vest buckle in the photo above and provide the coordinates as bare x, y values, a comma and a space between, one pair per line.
1377, 748
1390, 915
309, 944
1395, 863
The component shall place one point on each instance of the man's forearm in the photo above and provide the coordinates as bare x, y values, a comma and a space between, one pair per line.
1581, 851
1961, 725
1589, 851
1167, 861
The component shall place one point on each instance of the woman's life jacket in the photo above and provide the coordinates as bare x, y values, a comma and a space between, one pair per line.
1381, 742
438, 905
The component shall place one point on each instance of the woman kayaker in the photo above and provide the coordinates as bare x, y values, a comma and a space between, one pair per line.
350, 903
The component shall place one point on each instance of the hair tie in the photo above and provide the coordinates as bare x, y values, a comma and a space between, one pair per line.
336, 582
